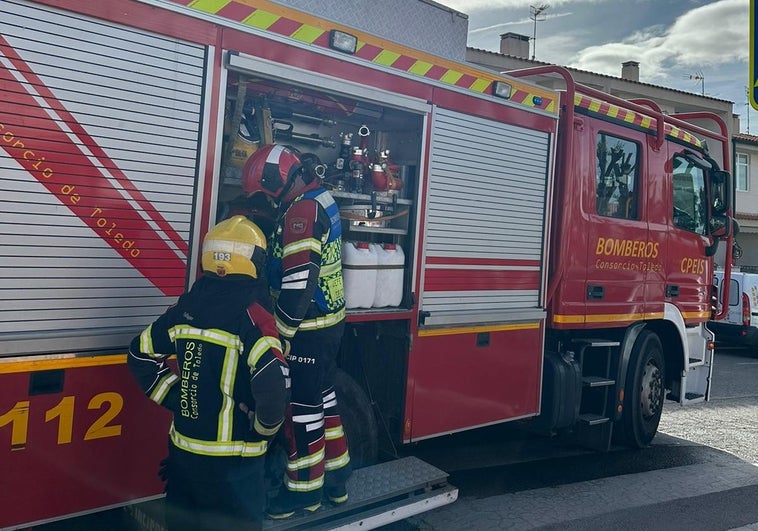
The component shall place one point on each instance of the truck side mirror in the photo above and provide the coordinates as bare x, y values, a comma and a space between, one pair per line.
720, 227
721, 193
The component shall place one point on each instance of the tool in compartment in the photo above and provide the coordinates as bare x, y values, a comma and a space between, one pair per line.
359, 161
384, 173
283, 130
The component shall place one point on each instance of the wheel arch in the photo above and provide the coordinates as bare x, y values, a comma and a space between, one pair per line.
673, 348
670, 331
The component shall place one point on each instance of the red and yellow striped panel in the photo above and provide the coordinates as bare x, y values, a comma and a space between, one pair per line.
634, 118
266, 16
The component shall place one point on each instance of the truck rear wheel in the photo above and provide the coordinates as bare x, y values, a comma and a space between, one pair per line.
645, 391
358, 420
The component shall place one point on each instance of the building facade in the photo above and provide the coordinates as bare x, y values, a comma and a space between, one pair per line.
745, 149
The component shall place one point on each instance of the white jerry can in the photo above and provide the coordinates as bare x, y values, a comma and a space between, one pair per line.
389, 278
359, 262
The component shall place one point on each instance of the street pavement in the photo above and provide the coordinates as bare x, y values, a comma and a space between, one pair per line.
679, 485
700, 473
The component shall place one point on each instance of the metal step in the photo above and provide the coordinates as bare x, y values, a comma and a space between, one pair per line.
393, 512
591, 419
378, 495
596, 381
687, 396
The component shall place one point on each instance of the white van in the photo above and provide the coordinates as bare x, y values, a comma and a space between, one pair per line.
740, 327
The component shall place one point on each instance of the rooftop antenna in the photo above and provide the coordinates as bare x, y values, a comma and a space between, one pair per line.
534, 14
698, 76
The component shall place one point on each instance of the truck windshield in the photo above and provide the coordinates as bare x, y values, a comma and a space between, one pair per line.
690, 203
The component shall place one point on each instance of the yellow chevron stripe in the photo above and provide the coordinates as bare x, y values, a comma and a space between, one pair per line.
451, 76
209, 6
261, 20
420, 68
386, 58
307, 33
480, 85
646, 122
267, 13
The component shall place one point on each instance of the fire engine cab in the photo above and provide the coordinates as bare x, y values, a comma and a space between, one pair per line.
510, 252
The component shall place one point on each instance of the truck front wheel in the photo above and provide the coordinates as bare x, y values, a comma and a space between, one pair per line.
645, 391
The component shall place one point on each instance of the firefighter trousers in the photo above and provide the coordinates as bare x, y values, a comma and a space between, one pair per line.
316, 443
207, 493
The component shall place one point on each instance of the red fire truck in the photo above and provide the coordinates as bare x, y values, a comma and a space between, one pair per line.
511, 252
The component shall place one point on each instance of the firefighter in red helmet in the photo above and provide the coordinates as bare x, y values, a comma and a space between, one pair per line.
230, 394
305, 274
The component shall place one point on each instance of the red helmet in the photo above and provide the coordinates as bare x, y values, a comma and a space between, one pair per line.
271, 170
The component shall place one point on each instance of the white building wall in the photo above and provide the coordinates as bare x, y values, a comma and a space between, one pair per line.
746, 202
422, 24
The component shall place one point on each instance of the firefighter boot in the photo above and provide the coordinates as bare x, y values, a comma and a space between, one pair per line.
337, 494
335, 489
286, 504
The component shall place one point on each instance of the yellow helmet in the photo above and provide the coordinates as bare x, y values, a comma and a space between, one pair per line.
234, 246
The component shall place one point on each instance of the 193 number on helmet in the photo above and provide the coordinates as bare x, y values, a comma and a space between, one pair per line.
224, 257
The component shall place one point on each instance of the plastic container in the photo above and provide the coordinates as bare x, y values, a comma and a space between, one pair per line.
389, 277
359, 261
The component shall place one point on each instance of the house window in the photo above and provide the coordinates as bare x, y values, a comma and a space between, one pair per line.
616, 177
741, 174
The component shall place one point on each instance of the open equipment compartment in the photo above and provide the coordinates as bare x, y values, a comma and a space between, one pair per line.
366, 153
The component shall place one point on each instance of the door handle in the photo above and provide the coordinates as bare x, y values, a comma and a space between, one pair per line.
595, 292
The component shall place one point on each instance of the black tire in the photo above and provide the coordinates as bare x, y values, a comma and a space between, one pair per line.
644, 392
358, 421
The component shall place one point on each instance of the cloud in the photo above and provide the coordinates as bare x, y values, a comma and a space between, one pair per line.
519, 22
709, 35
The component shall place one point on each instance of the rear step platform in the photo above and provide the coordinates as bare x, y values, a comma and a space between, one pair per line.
378, 495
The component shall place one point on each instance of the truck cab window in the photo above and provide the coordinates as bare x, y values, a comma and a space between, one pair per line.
690, 204
616, 177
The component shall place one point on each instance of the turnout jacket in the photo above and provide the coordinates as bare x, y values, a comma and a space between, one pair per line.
305, 266
227, 353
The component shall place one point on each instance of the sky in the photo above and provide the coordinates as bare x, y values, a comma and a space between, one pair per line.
689, 45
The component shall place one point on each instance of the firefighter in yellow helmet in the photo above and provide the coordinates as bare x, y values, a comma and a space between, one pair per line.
231, 390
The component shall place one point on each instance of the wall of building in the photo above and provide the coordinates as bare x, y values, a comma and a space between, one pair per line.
437, 29
746, 202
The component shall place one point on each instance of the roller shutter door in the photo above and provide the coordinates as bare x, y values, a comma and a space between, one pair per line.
99, 131
485, 228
